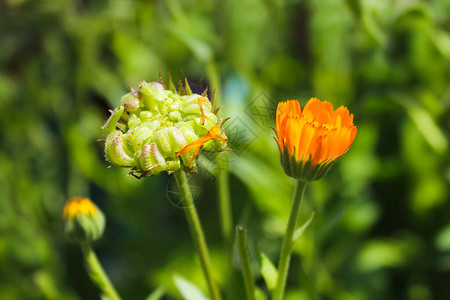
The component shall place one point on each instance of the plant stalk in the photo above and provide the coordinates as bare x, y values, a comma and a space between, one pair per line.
241, 237
225, 206
97, 274
197, 232
223, 187
288, 242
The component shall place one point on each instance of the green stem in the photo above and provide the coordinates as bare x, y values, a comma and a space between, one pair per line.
241, 236
288, 242
222, 184
223, 187
197, 232
225, 205
97, 273
213, 75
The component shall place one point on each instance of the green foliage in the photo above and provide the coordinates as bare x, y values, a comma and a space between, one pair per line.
381, 228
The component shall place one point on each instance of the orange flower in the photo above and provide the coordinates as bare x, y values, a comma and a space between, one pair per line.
311, 140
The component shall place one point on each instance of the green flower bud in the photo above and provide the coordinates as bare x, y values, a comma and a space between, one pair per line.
159, 127
82, 220
130, 101
114, 151
151, 159
145, 115
153, 93
134, 121
137, 137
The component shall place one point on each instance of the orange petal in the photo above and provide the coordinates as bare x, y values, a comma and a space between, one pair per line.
200, 104
213, 134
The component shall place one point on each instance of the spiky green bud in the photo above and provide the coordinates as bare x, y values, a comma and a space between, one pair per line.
153, 124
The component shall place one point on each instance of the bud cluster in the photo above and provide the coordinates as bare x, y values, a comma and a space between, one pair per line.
154, 123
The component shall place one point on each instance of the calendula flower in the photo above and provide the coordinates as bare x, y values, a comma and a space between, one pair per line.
82, 220
310, 141
156, 126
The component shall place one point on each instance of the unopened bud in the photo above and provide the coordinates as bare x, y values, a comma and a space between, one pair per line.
82, 220
130, 101
156, 124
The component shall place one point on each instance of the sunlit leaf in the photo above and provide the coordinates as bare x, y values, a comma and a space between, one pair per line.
298, 233
268, 271
188, 290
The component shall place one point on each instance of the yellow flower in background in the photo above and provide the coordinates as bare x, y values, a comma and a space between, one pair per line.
310, 141
79, 206
82, 220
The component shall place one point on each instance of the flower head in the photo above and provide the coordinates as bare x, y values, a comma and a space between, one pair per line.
155, 127
82, 220
310, 141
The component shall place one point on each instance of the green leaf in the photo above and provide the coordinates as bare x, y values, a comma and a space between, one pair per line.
442, 240
259, 294
302, 229
188, 290
157, 294
268, 271
425, 124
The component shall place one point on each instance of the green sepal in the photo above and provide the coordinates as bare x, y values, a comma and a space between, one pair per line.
152, 95
130, 101
188, 88
110, 124
84, 228
114, 151
303, 169
151, 160
172, 87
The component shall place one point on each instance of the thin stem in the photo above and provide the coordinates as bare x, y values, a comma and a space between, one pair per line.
222, 184
223, 187
213, 75
97, 273
197, 232
288, 243
241, 237
225, 205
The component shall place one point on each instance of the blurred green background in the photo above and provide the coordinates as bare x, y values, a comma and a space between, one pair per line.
382, 226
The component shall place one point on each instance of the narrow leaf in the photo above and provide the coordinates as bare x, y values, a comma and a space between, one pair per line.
259, 294
157, 294
188, 290
302, 229
268, 271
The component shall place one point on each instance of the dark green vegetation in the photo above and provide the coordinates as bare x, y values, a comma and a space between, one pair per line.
382, 226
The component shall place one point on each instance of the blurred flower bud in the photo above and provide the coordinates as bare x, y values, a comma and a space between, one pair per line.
82, 220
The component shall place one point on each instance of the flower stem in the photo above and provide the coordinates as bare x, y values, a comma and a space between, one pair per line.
288, 242
225, 206
241, 237
197, 232
223, 187
97, 273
